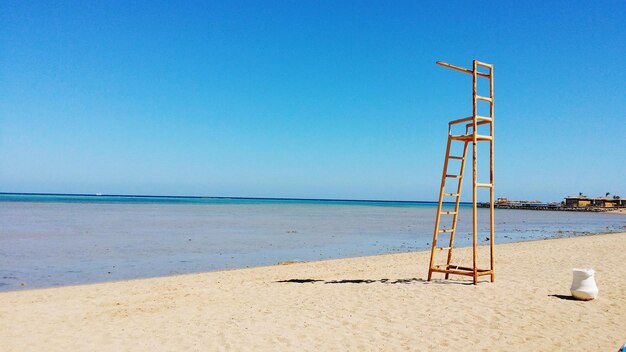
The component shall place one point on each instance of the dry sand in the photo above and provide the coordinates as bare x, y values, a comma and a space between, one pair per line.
370, 303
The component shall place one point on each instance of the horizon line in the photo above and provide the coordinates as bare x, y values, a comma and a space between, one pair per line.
221, 197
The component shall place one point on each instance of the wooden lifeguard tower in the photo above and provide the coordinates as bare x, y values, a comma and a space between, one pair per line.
471, 136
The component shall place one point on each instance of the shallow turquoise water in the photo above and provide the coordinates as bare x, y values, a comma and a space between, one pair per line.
61, 240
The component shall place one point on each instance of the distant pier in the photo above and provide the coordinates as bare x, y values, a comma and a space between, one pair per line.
574, 203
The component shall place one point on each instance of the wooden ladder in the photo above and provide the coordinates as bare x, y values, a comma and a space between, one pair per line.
471, 136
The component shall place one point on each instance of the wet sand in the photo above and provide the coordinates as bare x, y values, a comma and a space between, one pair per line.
366, 303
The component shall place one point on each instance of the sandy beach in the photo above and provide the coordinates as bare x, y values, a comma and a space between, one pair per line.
367, 303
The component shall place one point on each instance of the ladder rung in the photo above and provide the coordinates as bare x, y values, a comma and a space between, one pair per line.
442, 248
448, 212
481, 120
470, 272
446, 230
478, 97
456, 157
470, 137
484, 185
453, 176
469, 269
450, 194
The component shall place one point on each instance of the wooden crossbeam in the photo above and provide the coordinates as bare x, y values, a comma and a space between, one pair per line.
462, 69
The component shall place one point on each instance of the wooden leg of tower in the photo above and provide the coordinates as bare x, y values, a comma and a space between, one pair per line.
474, 173
491, 214
491, 178
430, 268
491, 237
475, 226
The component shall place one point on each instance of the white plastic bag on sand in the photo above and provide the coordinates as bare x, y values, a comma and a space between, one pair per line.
584, 284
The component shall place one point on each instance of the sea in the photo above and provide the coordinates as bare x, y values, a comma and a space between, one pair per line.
56, 240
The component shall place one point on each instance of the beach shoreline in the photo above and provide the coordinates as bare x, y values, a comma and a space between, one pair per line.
58, 244
362, 303
464, 249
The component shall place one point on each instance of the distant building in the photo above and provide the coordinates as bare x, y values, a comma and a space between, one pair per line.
502, 201
577, 201
581, 201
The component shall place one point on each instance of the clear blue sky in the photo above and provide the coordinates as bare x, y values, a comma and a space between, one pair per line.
321, 99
